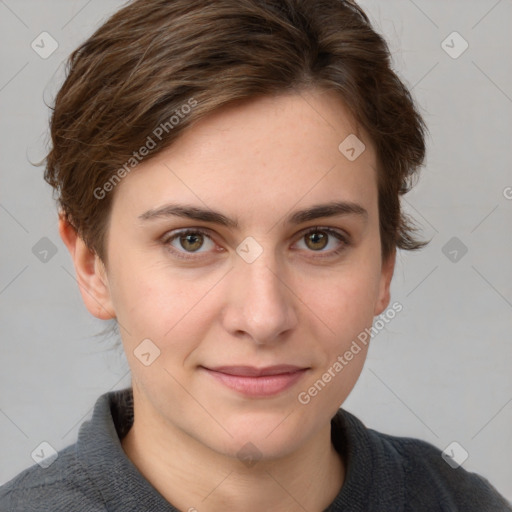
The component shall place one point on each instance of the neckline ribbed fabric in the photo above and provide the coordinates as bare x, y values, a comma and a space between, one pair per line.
123, 488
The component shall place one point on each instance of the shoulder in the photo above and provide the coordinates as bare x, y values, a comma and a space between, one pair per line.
433, 475
60, 487
428, 479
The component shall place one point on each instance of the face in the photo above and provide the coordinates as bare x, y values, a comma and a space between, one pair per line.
247, 309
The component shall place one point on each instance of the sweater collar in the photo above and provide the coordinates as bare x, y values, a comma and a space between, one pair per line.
372, 467
369, 466
122, 486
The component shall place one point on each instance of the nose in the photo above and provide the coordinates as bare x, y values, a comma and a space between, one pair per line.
260, 305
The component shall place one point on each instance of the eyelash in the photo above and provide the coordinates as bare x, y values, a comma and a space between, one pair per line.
167, 239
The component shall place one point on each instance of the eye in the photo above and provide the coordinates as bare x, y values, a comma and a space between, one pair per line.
317, 239
188, 241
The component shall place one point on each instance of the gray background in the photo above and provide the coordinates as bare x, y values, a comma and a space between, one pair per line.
440, 371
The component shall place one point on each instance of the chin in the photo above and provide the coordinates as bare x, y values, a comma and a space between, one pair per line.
263, 434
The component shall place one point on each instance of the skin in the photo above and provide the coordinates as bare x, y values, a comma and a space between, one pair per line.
297, 303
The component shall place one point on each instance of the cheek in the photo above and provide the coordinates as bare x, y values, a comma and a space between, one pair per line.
346, 301
346, 306
161, 303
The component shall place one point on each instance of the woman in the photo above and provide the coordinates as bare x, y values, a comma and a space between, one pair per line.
229, 175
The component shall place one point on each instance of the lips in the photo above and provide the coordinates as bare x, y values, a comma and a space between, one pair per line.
257, 382
250, 371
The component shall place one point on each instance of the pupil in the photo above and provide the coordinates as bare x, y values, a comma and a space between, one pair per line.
190, 239
318, 237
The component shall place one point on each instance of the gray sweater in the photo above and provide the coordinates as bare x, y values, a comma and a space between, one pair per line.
384, 473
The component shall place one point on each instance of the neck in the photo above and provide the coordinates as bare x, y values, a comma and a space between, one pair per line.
192, 477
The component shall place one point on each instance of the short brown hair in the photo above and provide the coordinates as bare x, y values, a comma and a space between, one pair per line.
151, 58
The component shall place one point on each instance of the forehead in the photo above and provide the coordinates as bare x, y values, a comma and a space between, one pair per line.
291, 124
252, 153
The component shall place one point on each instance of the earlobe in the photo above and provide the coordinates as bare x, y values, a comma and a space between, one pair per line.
388, 267
90, 273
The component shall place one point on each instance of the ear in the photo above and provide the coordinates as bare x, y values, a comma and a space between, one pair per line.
90, 273
388, 267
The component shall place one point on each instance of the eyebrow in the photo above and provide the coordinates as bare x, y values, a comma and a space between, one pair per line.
332, 209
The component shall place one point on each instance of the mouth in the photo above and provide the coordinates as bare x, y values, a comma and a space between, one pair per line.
257, 382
